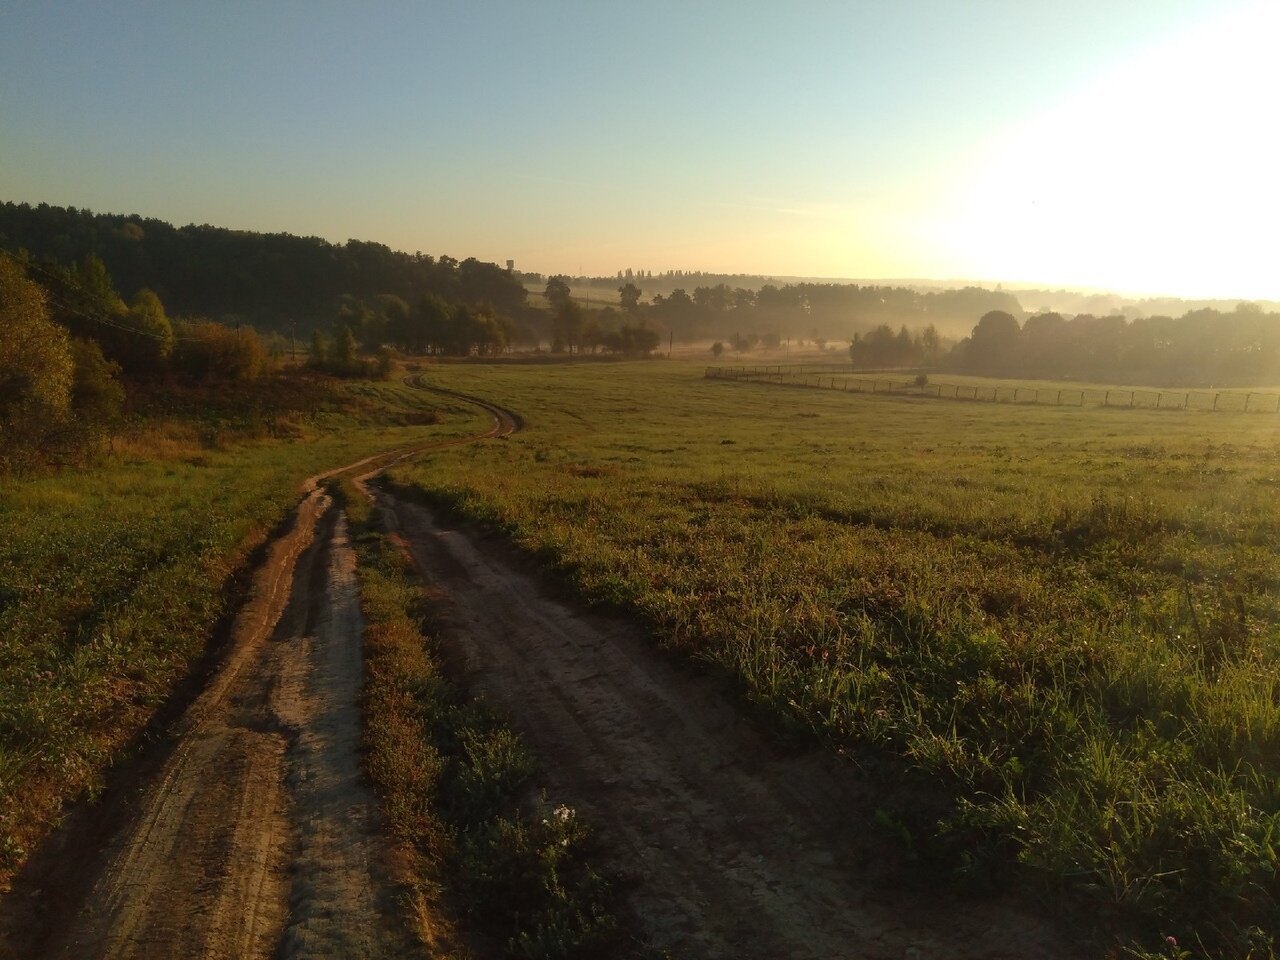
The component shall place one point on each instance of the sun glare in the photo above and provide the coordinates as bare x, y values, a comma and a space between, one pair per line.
1159, 176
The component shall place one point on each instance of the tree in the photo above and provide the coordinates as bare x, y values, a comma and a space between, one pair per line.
343, 355
36, 367
96, 394
429, 324
993, 343
717, 348
629, 295
145, 345
557, 292
567, 325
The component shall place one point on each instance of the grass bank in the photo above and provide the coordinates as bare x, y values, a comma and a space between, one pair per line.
115, 578
489, 868
1066, 618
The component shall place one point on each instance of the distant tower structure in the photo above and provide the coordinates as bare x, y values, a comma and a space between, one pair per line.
511, 265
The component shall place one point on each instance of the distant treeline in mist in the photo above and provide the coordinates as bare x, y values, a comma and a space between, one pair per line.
1199, 349
811, 311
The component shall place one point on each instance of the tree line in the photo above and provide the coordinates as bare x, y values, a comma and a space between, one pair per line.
807, 310
268, 280
1202, 348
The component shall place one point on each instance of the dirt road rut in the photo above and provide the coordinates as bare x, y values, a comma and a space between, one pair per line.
259, 838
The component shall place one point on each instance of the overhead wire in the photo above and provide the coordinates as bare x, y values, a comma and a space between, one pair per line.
95, 318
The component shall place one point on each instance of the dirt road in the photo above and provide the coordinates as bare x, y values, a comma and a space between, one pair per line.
253, 833
737, 849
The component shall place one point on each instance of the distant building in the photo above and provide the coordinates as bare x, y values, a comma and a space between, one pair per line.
511, 265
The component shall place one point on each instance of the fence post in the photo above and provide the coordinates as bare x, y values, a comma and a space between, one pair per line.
1215, 402
1186, 402
1247, 398
1159, 397
1132, 395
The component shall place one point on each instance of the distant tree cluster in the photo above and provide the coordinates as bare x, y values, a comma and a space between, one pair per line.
882, 348
1200, 348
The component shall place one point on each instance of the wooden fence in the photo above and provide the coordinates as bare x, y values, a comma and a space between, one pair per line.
1209, 401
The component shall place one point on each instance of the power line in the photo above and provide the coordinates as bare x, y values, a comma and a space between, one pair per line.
95, 318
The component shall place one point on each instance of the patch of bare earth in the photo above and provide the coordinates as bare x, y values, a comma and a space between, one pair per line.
257, 836
732, 847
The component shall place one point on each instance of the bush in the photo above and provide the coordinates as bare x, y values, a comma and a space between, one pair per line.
212, 351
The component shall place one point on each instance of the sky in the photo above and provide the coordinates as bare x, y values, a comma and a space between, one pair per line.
1125, 145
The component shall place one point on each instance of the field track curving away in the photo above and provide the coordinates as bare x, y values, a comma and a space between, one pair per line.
255, 835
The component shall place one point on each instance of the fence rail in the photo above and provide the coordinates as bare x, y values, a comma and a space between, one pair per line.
1208, 401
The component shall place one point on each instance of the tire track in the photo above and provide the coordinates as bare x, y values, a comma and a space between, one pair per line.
257, 837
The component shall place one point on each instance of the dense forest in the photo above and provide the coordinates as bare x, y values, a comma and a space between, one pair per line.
270, 280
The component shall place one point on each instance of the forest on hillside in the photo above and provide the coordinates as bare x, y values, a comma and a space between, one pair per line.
270, 280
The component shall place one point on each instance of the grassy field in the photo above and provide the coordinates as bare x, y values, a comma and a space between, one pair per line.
114, 577
1064, 619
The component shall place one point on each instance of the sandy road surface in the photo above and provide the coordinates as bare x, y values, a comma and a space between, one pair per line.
259, 838
252, 833
738, 849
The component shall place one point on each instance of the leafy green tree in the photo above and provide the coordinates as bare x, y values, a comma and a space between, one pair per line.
212, 351
345, 350
993, 343
629, 295
96, 395
36, 367
567, 325
557, 292
144, 339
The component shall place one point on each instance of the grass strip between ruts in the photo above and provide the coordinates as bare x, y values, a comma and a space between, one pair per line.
489, 867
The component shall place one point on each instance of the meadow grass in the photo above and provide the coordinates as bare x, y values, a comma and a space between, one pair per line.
114, 577
1066, 619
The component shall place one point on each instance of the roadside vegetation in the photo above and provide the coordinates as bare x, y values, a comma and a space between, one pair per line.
488, 865
115, 577
1063, 619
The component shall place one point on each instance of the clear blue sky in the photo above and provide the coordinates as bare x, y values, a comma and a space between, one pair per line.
835, 139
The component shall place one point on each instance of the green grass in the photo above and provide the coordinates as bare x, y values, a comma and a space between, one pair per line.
949, 386
1066, 619
114, 577
487, 867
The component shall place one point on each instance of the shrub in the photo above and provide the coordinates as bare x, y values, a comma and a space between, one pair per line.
212, 351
